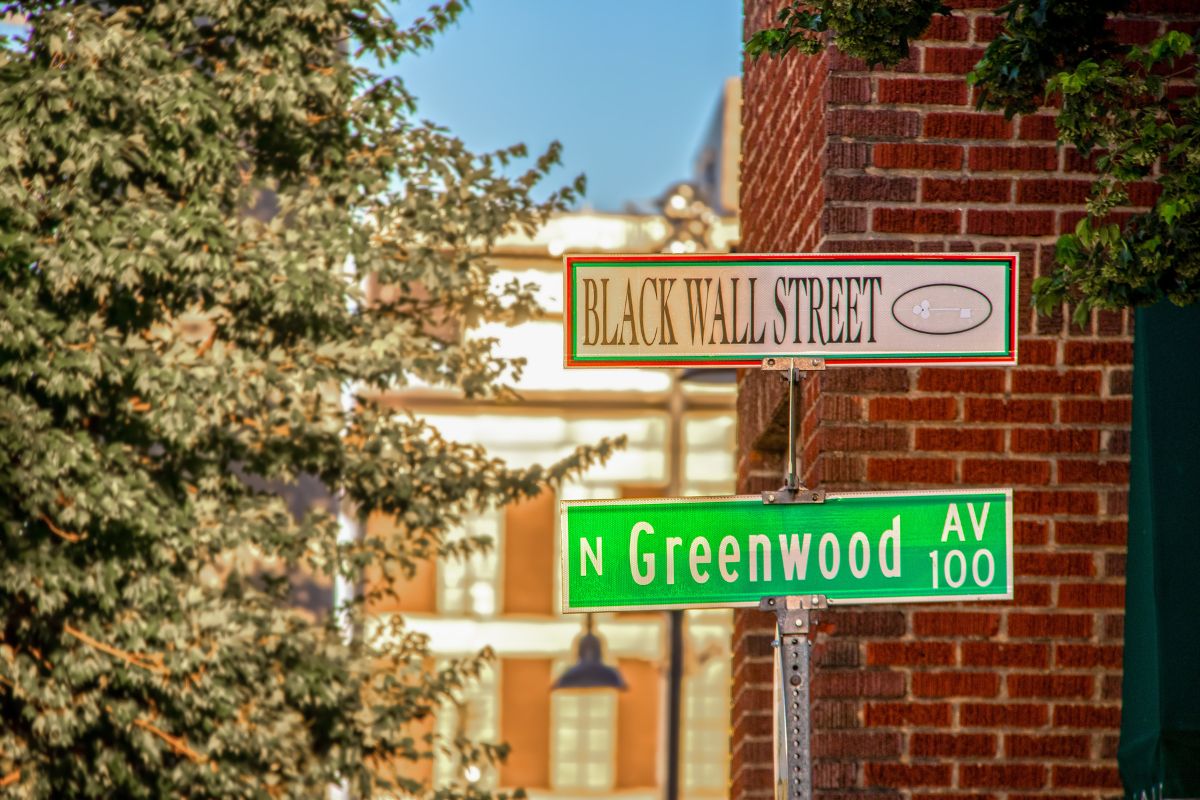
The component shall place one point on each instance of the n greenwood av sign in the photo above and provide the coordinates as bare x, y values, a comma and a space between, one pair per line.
737, 309
869, 547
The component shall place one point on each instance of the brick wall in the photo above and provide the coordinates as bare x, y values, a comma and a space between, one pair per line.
973, 701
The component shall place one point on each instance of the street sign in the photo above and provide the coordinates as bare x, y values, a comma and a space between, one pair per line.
737, 309
868, 547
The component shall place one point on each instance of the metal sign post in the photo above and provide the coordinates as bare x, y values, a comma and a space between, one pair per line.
796, 621
795, 550
795, 625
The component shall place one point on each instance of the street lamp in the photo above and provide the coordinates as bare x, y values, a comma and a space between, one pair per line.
590, 672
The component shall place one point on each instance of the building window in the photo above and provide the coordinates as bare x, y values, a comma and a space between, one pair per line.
706, 728
468, 585
472, 712
584, 740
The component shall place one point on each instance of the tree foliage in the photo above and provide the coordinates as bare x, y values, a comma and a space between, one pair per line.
1135, 109
191, 198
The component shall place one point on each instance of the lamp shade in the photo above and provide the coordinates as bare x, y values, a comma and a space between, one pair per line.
590, 672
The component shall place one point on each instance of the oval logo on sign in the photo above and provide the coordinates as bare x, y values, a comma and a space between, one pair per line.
940, 309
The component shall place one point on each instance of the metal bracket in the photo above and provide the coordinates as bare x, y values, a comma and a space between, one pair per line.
783, 495
795, 619
795, 367
775, 364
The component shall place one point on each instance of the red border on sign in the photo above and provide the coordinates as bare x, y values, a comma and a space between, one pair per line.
1010, 358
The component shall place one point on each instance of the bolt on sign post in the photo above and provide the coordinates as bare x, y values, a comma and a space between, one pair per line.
797, 550
737, 309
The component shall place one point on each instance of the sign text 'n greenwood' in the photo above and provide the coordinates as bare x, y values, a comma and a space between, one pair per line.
736, 309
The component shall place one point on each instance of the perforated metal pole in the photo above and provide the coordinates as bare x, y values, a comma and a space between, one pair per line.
795, 617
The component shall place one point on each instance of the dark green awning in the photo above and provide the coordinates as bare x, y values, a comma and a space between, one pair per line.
1160, 717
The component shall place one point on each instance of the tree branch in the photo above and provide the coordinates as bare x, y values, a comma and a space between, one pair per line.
57, 531
178, 744
153, 664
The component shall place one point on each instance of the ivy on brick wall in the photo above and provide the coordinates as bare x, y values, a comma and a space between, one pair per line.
1133, 110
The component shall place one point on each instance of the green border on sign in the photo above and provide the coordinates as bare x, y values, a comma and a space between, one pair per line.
949, 358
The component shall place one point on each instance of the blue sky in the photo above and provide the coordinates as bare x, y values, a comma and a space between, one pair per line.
628, 86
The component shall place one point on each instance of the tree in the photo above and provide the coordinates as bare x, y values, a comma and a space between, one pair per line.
191, 197
1136, 109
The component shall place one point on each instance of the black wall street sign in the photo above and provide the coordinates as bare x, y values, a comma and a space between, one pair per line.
737, 309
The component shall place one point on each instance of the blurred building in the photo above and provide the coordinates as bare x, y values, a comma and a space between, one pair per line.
569, 744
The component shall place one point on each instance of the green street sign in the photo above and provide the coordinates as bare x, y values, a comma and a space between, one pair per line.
868, 547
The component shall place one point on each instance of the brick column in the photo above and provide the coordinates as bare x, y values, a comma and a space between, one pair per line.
1007, 700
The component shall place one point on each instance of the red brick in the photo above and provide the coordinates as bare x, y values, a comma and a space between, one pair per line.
1103, 353
1002, 776
874, 123
1050, 685
858, 683
1091, 595
953, 60
844, 219
1003, 715
1087, 656
1097, 533
1020, 745
954, 624
1010, 223
1086, 777
1038, 127
947, 28
916, 220
1030, 532
1137, 31
1005, 471
922, 91
856, 744
1087, 716
907, 774
1055, 440
834, 714
1045, 381
926, 715
864, 379
1049, 626
1029, 595
998, 654
910, 470
986, 440
1043, 352
955, 684
909, 155
906, 408
963, 190
846, 89
1055, 564
1053, 191
870, 187
966, 125
1057, 501
848, 155
1096, 412
987, 409
988, 28
867, 623
963, 381
858, 438
910, 653
949, 745
1074, 161
1012, 159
